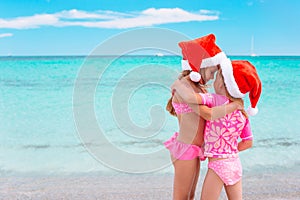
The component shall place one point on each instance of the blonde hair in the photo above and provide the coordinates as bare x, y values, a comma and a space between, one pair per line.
239, 100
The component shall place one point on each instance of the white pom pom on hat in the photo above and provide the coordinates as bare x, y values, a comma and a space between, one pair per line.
195, 76
252, 111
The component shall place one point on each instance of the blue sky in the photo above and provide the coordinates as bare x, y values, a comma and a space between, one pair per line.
76, 27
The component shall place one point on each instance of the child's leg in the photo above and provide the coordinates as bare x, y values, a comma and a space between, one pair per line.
186, 174
192, 194
234, 192
212, 186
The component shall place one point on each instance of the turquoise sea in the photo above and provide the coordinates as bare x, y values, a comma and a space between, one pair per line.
39, 132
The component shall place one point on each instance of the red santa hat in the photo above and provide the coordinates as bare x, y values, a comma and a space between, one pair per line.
200, 53
240, 78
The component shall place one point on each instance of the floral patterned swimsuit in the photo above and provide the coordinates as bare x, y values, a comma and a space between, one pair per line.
221, 139
221, 135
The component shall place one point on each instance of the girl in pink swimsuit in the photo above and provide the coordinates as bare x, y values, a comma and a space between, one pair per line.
221, 135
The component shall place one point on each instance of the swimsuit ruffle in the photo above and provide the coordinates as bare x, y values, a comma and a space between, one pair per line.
183, 151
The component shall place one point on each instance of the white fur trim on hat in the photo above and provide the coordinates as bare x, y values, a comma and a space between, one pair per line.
231, 84
185, 65
213, 61
252, 111
195, 76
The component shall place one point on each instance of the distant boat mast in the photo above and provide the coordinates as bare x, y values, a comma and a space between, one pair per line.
252, 47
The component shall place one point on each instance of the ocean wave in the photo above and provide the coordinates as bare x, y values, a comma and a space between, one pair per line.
141, 144
153, 143
144, 144
36, 146
36, 84
272, 142
48, 146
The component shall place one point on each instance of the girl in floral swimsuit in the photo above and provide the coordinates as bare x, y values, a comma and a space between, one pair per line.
221, 135
185, 146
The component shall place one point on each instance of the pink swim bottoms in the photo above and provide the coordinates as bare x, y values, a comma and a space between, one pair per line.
229, 169
183, 151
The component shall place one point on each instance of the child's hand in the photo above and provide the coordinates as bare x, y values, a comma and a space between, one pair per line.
184, 82
181, 87
238, 105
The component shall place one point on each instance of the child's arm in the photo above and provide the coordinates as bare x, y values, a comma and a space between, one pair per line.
247, 137
245, 144
186, 92
216, 112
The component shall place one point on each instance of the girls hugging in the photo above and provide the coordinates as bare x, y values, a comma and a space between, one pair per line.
226, 130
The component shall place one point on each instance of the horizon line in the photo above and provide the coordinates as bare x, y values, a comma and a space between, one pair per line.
167, 55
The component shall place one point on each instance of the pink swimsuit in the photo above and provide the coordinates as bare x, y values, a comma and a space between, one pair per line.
181, 108
180, 150
221, 140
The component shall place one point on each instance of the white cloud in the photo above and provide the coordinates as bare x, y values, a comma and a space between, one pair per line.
34, 21
109, 19
208, 12
77, 14
2, 35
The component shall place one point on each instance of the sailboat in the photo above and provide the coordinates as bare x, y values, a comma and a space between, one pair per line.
252, 47
159, 54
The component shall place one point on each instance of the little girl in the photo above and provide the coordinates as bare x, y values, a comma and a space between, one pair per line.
221, 135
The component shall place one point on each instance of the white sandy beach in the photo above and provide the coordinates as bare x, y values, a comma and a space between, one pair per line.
136, 187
